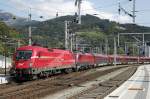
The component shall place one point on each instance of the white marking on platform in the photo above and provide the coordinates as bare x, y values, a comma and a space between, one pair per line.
137, 87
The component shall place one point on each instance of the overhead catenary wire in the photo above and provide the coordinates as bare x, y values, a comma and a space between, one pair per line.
62, 12
25, 10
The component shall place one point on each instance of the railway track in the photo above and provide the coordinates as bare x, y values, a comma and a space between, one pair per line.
102, 89
40, 88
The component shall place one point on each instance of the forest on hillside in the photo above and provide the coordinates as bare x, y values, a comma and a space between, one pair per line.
51, 32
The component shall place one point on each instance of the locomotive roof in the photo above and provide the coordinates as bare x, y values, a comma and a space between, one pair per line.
39, 48
30, 48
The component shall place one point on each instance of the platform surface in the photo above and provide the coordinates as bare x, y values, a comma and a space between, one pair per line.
137, 87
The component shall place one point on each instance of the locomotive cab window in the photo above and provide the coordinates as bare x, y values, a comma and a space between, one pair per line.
23, 54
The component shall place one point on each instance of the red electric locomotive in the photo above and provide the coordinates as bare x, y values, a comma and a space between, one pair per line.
33, 61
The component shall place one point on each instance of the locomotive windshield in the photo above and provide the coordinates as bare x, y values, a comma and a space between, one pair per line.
26, 54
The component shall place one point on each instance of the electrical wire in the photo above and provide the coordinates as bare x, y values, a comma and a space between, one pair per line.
60, 11
26, 9
57, 10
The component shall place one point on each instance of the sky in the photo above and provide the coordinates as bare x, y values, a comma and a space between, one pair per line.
105, 9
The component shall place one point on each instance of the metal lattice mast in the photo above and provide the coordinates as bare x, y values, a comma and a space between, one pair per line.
30, 33
66, 34
78, 3
126, 12
134, 11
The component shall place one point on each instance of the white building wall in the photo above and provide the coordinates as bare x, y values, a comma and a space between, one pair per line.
2, 62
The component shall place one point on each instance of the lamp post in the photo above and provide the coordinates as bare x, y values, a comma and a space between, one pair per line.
30, 31
115, 52
5, 53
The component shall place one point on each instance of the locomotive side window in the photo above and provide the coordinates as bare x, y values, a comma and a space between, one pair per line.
23, 54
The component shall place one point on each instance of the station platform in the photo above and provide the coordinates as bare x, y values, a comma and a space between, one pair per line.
4, 78
137, 87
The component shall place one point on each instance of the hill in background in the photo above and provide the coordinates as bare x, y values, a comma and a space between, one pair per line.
51, 32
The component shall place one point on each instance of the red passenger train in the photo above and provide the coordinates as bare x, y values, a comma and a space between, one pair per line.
30, 62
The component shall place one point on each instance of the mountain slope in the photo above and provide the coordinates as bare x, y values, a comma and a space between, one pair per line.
14, 21
51, 32
8, 37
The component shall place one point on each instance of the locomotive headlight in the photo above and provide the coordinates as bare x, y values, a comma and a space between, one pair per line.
30, 64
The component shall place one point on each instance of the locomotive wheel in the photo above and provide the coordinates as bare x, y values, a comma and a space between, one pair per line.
34, 77
68, 70
40, 75
75, 69
46, 75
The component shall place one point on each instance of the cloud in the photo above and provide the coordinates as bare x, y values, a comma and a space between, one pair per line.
49, 8
88, 7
